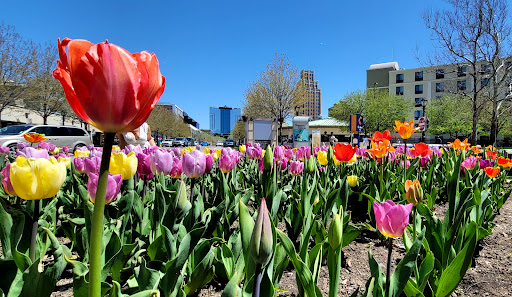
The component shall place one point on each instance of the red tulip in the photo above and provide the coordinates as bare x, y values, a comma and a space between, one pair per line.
378, 137
421, 150
344, 152
107, 86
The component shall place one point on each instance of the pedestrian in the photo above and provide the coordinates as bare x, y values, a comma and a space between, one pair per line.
139, 136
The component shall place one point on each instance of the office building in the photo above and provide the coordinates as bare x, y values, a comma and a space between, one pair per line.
429, 83
313, 102
182, 114
223, 120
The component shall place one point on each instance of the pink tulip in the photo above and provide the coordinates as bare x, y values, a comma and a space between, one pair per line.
288, 154
92, 165
278, 152
283, 163
226, 162
177, 167
391, 218
143, 164
209, 163
160, 162
296, 167
4, 150
194, 164
113, 186
6, 180
65, 149
79, 163
469, 163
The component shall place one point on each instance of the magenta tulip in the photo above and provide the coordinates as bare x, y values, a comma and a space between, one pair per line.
226, 162
4, 150
296, 167
177, 168
278, 152
65, 149
92, 165
469, 163
6, 180
288, 154
79, 163
194, 164
143, 164
161, 162
113, 186
209, 163
391, 218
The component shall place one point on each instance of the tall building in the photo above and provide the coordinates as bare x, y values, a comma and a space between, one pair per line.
180, 113
429, 83
223, 120
313, 104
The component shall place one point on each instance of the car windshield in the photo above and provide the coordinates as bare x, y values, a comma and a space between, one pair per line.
229, 140
14, 130
180, 138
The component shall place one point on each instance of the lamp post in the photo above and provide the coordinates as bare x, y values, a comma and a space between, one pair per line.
423, 105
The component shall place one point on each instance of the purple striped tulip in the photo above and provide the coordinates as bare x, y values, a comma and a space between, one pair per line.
79, 163
391, 218
30, 152
113, 186
194, 164
92, 165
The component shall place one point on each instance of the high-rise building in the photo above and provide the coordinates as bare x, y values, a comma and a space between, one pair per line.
223, 120
313, 102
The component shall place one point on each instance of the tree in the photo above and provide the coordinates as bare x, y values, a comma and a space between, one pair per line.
167, 123
238, 132
17, 57
474, 33
276, 93
449, 115
379, 109
43, 94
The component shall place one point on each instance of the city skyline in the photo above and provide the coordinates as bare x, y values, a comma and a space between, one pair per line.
209, 53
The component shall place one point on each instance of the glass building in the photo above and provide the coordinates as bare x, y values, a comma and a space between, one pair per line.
223, 120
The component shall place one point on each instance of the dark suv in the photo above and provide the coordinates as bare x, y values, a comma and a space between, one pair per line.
229, 142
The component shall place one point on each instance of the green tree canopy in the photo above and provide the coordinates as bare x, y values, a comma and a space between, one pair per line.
450, 115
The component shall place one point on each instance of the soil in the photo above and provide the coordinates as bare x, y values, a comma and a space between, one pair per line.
490, 274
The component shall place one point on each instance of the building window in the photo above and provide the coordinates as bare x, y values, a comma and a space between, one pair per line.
461, 85
418, 75
439, 73
418, 101
485, 82
418, 114
439, 87
461, 71
400, 78
486, 68
399, 90
418, 89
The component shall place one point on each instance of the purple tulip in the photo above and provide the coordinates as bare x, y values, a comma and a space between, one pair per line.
288, 154
391, 218
198, 147
6, 180
194, 163
96, 153
226, 162
91, 147
437, 151
65, 149
278, 152
132, 148
150, 149
296, 167
113, 186
469, 163
79, 163
424, 161
161, 162
209, 163
361, 152
283, 163
21, 145
30, 152
143, 164
484, 163
92, 165
4, 150
177, 167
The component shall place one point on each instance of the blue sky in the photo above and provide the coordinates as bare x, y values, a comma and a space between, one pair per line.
209, 51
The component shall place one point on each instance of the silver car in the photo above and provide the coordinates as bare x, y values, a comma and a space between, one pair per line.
60, 136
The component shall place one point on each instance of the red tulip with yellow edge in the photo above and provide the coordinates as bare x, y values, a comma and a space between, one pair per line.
504, 162
492, 172
421, 150
405, 129
34, 137
108, 87
491, 155
344, 152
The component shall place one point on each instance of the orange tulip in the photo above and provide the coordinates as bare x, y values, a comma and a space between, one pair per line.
378, 137
492, 171
421, 150
34, 137
344, 152
490, 148
380, 149
108, 87
459, 145
504, 162
405, 129
475, 150
491, 155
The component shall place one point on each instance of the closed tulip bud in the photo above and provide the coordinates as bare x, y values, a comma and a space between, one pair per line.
268, 159
181, 197
278, 152
261, 244
126, 165
34, 179
322, 158
143, 164
391, 218
413, 192
335, 235
242, 148
310, 165
330, 155
352, 180
209, 163
113, 186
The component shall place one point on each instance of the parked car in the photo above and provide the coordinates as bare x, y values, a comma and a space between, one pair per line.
229, 143
204, 143
167, 143
220, 143
191, 141
179, 141
60, 136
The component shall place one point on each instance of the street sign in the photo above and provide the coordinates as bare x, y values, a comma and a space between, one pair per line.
422, 123
356, 123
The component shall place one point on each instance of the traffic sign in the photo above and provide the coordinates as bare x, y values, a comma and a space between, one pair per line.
422, 123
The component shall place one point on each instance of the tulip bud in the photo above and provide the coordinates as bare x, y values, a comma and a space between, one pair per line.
181, 197
352, 180
311, 165
413, 192
330, 155
261, 244
335, 235
268, 159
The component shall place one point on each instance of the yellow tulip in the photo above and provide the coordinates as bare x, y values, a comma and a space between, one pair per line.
116, 148
55, 151
336, 162
352, 180
206, 150
242, 148
66, 161
322, 157
123, 164
37, 178
353, 160
216, 155
82, 153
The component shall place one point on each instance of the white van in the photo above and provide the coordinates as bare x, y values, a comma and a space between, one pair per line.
60, 136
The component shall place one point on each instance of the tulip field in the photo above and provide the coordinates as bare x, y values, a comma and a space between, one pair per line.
176, 220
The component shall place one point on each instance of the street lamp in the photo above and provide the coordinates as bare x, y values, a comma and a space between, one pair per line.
423, 105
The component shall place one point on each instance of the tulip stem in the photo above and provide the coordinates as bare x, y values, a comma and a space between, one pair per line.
405, 160
257, 281
388, 270
413, 223
192, 185
144, 187
95, 247
35, 225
